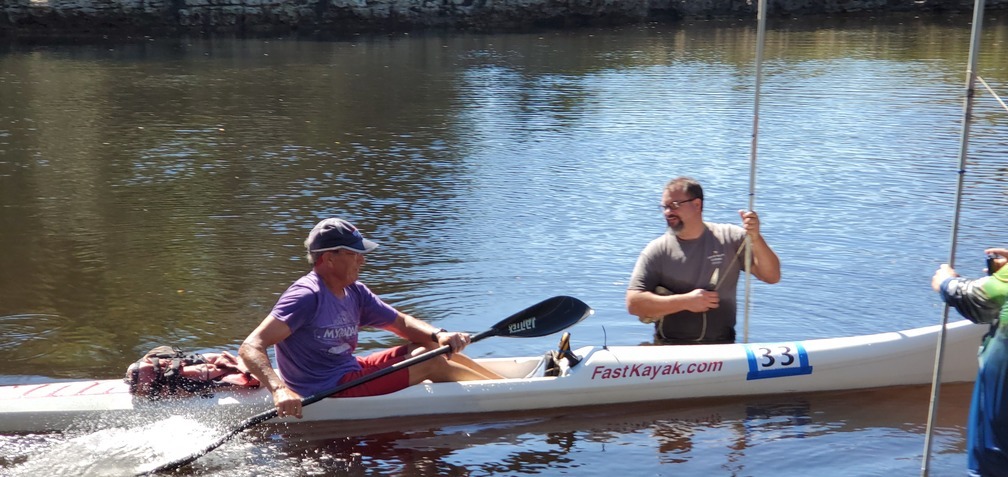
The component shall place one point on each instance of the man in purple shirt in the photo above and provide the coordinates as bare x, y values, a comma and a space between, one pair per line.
314, 328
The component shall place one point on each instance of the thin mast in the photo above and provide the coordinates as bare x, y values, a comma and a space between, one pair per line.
760, 39
978, 11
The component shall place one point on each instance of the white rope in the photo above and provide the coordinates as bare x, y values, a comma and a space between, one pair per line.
971, 76
760, 40
993, 93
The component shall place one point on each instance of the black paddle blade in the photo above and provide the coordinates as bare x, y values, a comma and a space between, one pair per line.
544, 318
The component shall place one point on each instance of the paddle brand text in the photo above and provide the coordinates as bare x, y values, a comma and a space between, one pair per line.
523, 325
653, 371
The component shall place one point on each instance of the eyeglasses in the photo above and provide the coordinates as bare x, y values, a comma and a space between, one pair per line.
674, 205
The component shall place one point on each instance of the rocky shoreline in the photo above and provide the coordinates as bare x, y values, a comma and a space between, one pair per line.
343, 17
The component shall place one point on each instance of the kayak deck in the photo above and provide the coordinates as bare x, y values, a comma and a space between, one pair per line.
604, 375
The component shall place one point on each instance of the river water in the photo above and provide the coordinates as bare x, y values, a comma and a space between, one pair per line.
158, 192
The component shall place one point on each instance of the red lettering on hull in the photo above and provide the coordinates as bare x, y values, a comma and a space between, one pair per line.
654, 371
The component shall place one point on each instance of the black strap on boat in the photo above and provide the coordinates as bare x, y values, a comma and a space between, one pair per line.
565, 351
551, 366
156, 383
134, 376
172, 376
168, 378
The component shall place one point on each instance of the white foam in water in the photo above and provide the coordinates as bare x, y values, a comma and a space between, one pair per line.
121, 451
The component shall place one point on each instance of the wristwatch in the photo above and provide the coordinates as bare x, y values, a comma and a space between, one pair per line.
433, 334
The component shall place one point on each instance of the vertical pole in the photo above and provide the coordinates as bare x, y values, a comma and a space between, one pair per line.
978, 11
760, 40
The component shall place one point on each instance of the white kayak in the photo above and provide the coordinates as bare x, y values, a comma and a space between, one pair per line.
604, 375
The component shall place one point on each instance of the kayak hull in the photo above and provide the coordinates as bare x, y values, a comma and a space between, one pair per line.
604, 375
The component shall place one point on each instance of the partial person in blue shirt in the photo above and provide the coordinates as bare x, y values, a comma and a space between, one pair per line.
983, 300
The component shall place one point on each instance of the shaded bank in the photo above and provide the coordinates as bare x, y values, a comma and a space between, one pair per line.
340, 17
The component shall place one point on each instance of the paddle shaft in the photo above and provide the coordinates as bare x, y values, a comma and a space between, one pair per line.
272, 413
386, 371
314, 398
546, 317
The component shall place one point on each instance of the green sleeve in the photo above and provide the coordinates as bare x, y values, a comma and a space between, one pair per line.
981, 300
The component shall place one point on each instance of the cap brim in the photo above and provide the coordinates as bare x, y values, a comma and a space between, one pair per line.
368, 246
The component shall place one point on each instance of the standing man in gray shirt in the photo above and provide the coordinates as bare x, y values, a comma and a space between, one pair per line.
685, 280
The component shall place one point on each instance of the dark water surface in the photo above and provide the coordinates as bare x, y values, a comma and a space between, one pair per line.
158, 193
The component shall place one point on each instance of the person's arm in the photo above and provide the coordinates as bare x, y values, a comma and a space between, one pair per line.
969, 297
649, 301
418, 331
766, 264
253, 354
648, 304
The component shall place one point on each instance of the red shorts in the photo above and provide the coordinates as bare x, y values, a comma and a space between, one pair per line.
389, 383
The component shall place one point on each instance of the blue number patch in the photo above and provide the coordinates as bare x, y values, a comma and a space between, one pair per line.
776, 360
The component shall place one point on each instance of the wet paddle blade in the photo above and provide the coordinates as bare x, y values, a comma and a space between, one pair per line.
544, 318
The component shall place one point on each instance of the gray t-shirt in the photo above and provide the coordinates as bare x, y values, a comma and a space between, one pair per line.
682, 266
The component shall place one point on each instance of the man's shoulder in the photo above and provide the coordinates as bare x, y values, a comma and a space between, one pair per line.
360, 289
661, 242
995, 286
365, 297
723, 231
309, 280
300, 298
720, 226
307, 283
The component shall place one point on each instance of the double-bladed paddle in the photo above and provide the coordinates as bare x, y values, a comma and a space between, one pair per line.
544, 318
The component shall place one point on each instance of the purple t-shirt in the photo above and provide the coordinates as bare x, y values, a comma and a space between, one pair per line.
323, 327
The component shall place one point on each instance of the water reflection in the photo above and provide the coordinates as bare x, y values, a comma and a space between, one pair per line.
716, 437
175, 179
158, 193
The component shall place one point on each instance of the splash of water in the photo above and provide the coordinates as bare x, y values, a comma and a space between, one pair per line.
120, 451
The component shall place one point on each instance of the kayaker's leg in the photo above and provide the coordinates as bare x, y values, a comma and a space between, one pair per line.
373, 363
473, 365
440, 369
